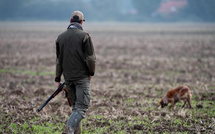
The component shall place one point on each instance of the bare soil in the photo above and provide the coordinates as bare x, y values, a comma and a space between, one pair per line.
136, 65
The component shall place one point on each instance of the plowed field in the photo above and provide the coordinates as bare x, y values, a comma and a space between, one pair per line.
136, 65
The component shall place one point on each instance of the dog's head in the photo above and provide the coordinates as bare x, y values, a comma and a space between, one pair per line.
162, 103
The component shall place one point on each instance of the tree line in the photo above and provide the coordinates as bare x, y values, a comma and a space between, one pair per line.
102, 10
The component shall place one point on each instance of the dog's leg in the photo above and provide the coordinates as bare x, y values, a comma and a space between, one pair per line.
173, 105
189, 102
185, 101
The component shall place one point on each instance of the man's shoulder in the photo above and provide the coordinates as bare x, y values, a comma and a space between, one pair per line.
83, 34
73, 32
62, 34
83, 31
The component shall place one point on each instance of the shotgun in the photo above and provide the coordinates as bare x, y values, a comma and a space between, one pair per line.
56, 92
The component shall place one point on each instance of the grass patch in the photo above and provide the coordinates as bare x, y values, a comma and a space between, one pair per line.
35, 125
41, 128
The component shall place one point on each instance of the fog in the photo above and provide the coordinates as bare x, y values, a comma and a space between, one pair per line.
109, 10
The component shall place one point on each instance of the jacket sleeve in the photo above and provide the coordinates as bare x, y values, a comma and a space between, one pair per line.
90, 56
59, 69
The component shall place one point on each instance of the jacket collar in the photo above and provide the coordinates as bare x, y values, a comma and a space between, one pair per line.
75, 25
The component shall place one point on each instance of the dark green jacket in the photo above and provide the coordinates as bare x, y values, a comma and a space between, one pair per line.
75, 54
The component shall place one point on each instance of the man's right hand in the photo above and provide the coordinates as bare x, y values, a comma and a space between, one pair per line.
58, 84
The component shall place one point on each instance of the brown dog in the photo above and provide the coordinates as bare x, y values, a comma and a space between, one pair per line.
180, 93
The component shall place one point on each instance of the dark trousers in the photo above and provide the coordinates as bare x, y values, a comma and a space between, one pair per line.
79, 93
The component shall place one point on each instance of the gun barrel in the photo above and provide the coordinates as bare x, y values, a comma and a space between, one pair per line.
59, 89
44, 104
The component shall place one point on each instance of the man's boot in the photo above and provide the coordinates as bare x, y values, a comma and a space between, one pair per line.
78, 130
73, 125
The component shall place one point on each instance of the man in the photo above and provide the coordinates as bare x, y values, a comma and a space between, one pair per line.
76, 61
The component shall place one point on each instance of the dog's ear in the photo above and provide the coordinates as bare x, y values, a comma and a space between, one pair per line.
160, 102
163, 104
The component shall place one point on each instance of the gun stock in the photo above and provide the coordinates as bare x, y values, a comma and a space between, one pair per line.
59, 89
67, 96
